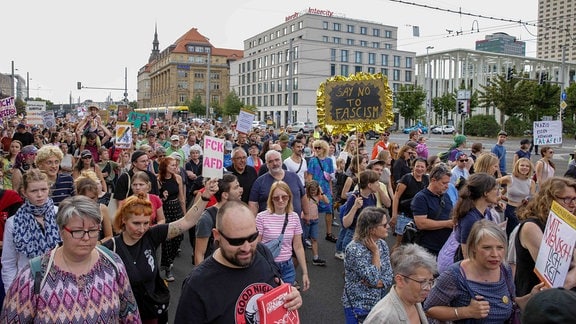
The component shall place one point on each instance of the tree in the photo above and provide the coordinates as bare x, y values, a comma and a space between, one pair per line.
545, 101
443, 106
196, 107
410, 102
511, 97
232, 104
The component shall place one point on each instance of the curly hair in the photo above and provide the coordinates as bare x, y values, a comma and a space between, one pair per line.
539, 206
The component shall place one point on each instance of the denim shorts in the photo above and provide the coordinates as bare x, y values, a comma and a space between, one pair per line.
401, 223
287, 271
310, 230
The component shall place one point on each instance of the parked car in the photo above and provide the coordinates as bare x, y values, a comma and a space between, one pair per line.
304, 127
422, 128
256, 124
444, 129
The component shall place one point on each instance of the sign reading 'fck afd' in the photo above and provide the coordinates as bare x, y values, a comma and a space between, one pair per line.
213, 161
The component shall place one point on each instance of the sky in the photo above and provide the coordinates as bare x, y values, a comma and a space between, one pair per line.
59, 43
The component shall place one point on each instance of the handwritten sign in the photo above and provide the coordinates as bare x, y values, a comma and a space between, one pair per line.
354, 101
244, 123
7, 107
557, 246
48, 119
34, 111
547, 132
138, 118
213, 160
123, 135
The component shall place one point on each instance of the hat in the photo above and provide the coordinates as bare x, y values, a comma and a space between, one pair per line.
136, 155
307, 152
502, 133
255, 144
284, 138
374, 162
459, 154
176, 156
29, 149
85, 153
553, 305
459, 139
228, 146
174, 138
20, 126
95, 107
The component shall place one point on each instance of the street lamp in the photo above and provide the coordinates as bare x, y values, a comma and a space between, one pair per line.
428, 90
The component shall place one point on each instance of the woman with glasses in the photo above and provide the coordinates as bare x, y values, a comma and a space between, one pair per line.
520, 188
32, 230
545, 167
80, 282
137, 242
481, 286
86, 163
279, 221
402, 165
367, 269
533, 218
414, 269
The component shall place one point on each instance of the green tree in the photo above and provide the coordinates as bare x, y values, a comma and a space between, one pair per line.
410, 102
443, 106
511, 97
196, 107
232, 104
545, 101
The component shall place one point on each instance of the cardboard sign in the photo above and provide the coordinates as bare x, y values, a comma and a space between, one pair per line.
48, 119
547, 132
7, 108
138, 118
213, 160
557, 247
244, 123
34, 110
123, 135
354, 101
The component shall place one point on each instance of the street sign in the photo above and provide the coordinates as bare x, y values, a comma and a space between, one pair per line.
563, 104
563, 96
464, 94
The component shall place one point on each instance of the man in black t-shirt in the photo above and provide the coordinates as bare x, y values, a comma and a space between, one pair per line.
139, 163
224, 288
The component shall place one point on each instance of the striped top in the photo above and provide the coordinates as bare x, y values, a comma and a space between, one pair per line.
270, 226
62, 188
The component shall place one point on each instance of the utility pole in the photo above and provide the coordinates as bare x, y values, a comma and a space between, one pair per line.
428, 91
27, 85
208, 86
126, 85
562, 69
290, 85
12, 83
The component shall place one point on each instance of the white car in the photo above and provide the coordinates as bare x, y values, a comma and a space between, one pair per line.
256, 124
445, 129
304, 127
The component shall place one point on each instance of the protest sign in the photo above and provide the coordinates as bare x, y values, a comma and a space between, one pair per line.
557, 247
34, 110
48, 119
123, 135
213, 160
244, 123
547, 132
7, 108
138, 118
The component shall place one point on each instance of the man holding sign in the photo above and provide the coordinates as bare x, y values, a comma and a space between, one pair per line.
213, 160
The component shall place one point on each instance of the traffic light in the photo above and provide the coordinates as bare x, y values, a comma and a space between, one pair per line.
461, 107
543, 77
79, 85
509, 74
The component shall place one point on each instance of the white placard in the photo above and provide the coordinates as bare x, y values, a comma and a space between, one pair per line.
547, 132
213, 159
7, 108
34, 110
244, 123
48, 119
557, 247
123, 135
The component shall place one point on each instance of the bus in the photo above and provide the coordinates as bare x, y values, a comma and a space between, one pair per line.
160, 112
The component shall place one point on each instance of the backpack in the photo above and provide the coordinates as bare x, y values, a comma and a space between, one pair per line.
39, 274
444, 156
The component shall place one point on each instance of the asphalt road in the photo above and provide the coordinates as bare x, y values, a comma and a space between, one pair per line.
322, 301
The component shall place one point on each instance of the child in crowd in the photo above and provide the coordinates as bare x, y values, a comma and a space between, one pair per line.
310, 223
422, 148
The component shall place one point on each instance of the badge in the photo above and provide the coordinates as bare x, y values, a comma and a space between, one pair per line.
505, 300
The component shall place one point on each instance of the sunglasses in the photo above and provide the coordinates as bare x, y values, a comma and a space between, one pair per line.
465, 160
280, 198
317, 148
239, 241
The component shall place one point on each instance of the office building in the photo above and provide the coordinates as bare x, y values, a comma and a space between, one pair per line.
501, 43
556, 29
283, 66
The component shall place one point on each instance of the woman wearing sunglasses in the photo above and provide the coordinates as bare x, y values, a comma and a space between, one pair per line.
137, 242
280, 222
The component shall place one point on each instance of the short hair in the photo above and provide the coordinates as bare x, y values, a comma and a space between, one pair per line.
476, 147
32, 175
80, 206
269, 153
367, 177
238, 149
284, 187
48, 151
142, 176
224, 185
133, 205
407, 258
481, 229
440, 170
369, 218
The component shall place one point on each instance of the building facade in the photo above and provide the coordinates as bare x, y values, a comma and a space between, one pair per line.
283, 66
501, 43
181, 72
556, 26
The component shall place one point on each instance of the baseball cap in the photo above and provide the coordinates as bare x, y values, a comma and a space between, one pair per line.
553, 305
174, 138
502, 133
85, 153
20, 126
284, 138
29, 149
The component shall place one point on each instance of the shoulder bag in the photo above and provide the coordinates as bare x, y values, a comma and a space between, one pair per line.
276, 244
411, 232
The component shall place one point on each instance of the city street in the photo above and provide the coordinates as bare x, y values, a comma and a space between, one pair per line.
322, 302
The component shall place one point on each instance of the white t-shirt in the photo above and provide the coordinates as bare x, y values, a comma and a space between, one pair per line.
296, 168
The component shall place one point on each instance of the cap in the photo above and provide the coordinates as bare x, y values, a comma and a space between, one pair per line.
151, 133
550, 306
85, 153
374, 162
228, 146
136, 155
174, 138
502, 133
459, 139
160, 150
176, 155
284, 138
255, 144
29, 149
95, 107
459, 154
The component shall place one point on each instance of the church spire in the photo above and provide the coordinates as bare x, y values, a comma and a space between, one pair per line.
155, 45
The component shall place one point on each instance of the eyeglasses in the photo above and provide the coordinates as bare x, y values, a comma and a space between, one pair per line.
567, 200
317, 147
79, 234
240, 158
465, 160
423, 283
239, 241
280, 198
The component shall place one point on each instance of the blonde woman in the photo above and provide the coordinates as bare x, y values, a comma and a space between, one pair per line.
488, 163
519, 190
545, 168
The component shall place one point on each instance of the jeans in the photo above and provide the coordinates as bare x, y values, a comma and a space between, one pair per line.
344, 237
356, 315
287, 271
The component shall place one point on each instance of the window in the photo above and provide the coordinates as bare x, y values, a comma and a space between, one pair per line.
363, 30
336, 40
279, 85
332, 69
272, 59
325, 39
388, 34
265, 101
272, 84
280, 57
358, 57
357, 68
295, 83
409, 62
376, 32
343, 55
375, 44
325, 25
350, 28
363, 43
295, 98
371, 70
384, 58
372, 58
408, 76
271, 100
198, 85
349, 41
384, 71
337, 26
344, 70
396, 61
396, 75
279, 98
332, 54
387, 46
